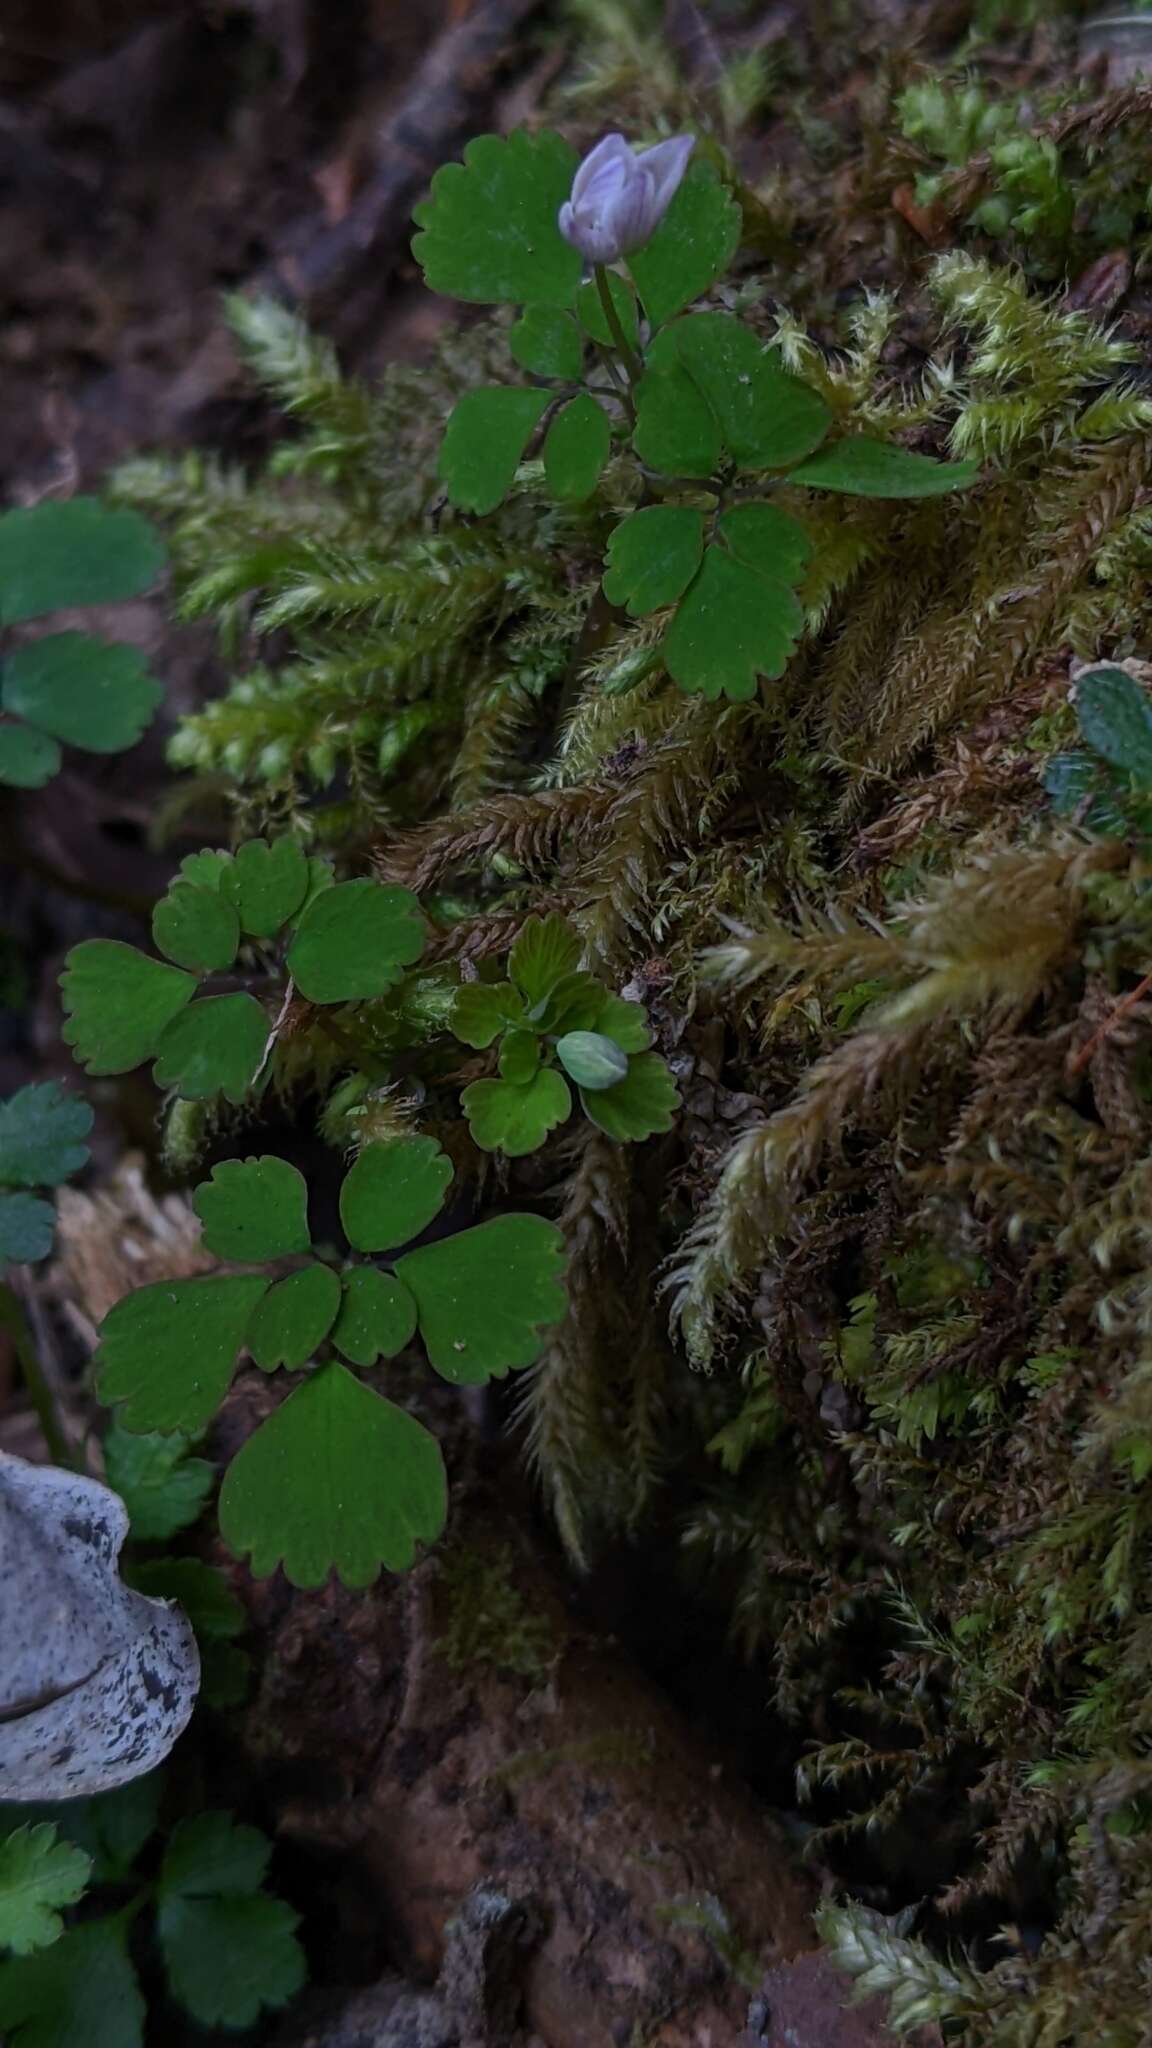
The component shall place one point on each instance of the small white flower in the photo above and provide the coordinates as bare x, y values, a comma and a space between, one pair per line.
619, 199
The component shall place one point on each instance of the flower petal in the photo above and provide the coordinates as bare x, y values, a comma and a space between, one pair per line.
667, 163
612, 148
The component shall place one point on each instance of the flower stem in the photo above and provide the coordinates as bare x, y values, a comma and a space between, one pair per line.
634, 368
15, 1322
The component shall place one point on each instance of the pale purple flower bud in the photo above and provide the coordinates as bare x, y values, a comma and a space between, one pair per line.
619, 199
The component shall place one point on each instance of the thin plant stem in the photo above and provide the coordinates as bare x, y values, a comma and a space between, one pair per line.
628, 356
15, 1322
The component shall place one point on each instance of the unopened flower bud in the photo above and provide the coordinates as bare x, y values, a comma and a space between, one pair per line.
619, 199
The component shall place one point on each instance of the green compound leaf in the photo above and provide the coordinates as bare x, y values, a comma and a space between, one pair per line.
639, 1106
489, 225
253, 1209
197, 928
571, 1005
545, 949
576, 447
766, 417
38, 1875
42, 1133
548, 343
625, 1023
377, 1318
162, 1487
878, 469
74, 552
592, 1060
168, 1351
27, 1227
266, 883
481, 1011
81, 1993
294, 1318
1116, 720
336, 1479
768, 540
392, 1191
594, 320
118, 1003
519, 1056
230, 1951
515, 1118
214, 1047
95, 694
676, 429
652, 557
486, 436
28, 759
693, 245
733, 626
110, 1827
487, 1297
354, 941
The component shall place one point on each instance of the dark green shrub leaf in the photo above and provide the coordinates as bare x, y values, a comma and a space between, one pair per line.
624, 1023
214, 1047
80, 1993
392, 1191
693, 245
168, 1351
377, 1318
515, 1118
489, 225
162, 1487
213, 1856
653, 556
1116, 719
767, 540
197, 928
118, 1003
676, 430
766, 417
227, 1959
200, 1589
42, 1133
27, 1227
72, 552
110, 1827
336, 1479
484, 441
545, 949
267, 883
481, 1011
548, 343
253, 1209
576, 447
354, 941
591, 1059
38, 1875
594, 320
28, 759
206, 869
295, 1316
878, 469
230, 1951
519, 1056
95, 694
639, 1106
731, 627
486, 1297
